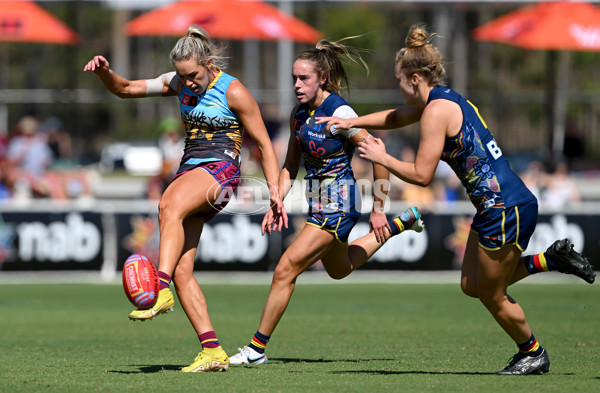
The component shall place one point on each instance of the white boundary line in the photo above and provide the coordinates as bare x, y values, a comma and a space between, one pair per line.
264, 278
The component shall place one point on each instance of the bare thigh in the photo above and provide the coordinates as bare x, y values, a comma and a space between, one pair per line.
311, 245
495, 272
193, 192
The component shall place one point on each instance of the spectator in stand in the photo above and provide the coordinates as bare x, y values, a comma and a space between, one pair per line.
561, 189
535, 178
66, 176
5, 191
28, 159
58, 140
171, 145
171, 142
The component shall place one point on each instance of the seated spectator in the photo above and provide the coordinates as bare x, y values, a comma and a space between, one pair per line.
171, 144
71, 179
32, 168
561, 189
535, 178
28, 158
59, 142
5, 191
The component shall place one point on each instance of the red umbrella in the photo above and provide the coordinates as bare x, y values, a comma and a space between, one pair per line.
563, 25
25, 21
226, 19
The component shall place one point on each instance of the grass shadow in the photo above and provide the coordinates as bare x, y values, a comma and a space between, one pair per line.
298, 360
417, 372
401, 372
149, 369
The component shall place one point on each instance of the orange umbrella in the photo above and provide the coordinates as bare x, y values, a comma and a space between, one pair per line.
561, 25
25, 21
226, 19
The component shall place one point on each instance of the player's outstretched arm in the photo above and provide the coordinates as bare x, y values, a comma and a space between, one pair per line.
116, 84
384, 120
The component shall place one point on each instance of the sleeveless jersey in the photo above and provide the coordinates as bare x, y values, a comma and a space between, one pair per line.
330, 183
477, 160
213, 131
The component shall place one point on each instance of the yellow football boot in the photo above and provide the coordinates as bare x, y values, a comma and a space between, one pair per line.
209, 359
164, 304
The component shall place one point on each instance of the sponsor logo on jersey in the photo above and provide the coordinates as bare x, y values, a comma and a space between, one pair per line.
316, 135
189, 100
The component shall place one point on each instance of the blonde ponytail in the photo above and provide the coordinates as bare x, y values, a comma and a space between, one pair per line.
420, 56
197, 44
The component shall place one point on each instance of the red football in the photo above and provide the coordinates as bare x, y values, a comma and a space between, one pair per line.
140, 281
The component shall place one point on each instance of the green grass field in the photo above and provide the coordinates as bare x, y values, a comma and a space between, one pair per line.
333, 338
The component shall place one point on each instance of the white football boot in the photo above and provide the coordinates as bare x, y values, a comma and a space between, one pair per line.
248, 355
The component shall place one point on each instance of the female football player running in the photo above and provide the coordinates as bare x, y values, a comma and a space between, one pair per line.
452, 130
331, 188
215, 108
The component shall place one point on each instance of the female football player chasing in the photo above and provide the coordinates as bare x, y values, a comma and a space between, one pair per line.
331, 189
452, 130
208, 173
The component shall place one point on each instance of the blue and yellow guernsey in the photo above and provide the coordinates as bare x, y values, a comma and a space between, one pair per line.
330, 183
213, 131
477, 160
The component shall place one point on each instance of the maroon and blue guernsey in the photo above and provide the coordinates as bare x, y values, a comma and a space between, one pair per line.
213, 131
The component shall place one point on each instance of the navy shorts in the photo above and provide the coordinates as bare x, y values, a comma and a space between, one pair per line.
511, 225
339, 226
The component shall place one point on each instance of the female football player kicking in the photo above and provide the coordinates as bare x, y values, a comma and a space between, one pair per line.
215, 108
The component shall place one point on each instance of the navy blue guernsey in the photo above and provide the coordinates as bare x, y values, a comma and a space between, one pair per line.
475, 157
330, 186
